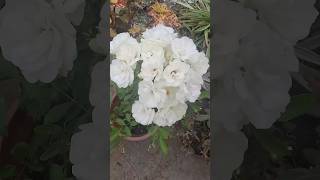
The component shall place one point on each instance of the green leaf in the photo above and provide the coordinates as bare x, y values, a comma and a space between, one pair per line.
195, 107
80, 79
114, 134
7, 69
299, 105
42, 134
9, 171
127, 131
276, 146
133, 123
56, 172
37, 167
57, 113
204, 95
51, 152
163, 146
152, 130
164, 133
21, 151
48, 129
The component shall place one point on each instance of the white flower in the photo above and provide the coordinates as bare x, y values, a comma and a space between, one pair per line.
151, 94
171, 92
39, 38
174, 74
191, 89
160, 34
121, 73
126, 48
189, 92
199, 62
128, 52
183, 48
121, 39
169, 115
88, 152
142, 114
150, 49
151, 69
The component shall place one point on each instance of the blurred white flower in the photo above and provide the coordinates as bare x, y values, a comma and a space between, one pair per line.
230, 27
42, 39
98, 92
167, 116
151, 95
160, 34
174, 74
88, 152
73, 9
254, 56
121, 73
228, 149
142, 114
287, 17
183, 48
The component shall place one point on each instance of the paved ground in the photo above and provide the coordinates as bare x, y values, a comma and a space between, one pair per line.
133, 161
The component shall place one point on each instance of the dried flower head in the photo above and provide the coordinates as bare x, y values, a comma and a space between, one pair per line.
119, 3
162, 14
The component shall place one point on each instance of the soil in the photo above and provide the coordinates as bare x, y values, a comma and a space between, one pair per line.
140, 161
139, 130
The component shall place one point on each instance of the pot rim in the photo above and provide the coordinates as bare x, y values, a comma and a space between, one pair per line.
137, 138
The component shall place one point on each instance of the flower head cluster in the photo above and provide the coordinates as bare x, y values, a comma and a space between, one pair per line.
171, 73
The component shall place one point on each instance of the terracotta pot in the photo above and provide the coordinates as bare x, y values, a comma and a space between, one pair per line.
137, 138
114, 103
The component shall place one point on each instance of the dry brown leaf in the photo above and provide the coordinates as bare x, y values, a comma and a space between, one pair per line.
113, 33
135, 30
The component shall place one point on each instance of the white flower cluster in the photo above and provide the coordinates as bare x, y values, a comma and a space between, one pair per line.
254, 55
171, 73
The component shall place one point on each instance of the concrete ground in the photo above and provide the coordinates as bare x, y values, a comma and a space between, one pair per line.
135, 161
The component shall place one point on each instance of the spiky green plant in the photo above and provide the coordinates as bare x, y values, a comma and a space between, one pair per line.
196, 17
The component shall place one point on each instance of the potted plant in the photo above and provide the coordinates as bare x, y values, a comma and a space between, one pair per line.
155, 76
